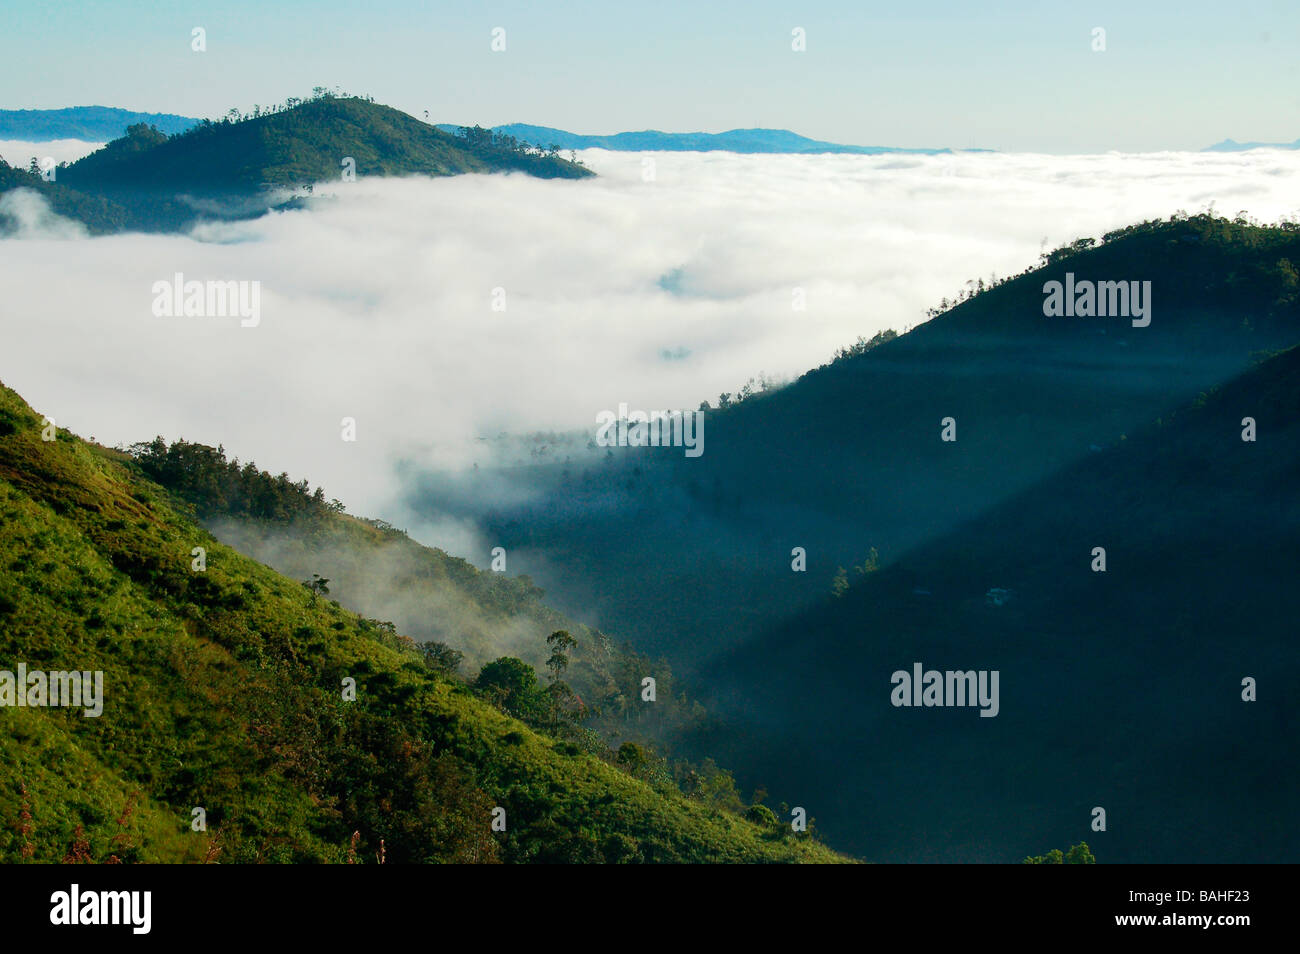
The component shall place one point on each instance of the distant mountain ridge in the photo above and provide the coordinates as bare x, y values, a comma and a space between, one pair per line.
734, 140
1231, 145
87, 123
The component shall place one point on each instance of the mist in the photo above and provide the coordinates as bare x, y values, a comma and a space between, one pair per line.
442, 313
19, 152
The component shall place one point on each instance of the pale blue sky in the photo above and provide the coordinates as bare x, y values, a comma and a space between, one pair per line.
1009, 75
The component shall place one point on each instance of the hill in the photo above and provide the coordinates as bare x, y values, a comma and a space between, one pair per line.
296, 146
1121, 689
244, 165
224, 688
88, 123
850, 456
734, 140
848, 463
376, 569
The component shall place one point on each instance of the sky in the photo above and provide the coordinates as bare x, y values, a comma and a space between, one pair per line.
1013, 76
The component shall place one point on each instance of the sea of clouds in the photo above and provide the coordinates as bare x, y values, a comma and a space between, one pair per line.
377, 302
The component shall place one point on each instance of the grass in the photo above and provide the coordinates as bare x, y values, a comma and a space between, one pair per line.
222, 690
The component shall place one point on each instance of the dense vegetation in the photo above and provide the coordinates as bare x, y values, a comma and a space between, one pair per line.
444, 602
295, 147
225, 688
1079, 854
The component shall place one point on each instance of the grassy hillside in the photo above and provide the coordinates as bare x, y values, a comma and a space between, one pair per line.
222, 690
429, 595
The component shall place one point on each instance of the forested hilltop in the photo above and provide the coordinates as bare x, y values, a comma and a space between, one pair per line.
250, 161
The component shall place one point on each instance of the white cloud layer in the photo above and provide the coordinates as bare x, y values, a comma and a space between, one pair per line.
20, 152
377, 303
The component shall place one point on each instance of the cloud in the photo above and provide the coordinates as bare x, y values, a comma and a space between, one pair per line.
20, 152
25, 214
377, 303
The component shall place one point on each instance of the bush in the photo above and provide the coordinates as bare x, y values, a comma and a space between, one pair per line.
761, 815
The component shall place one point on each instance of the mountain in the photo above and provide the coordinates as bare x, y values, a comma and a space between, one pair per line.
225, 730
1229, 145
849, 457
149, 181
377, 570
88, 123
298, 146
735, 140
1121, 689
848, 464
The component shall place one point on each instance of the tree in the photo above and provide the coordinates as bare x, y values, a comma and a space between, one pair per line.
318, 587
476, 137
761, 815
560, 642
863, 345
1080, 854
441, 657
840, 584
561, 695
562, 700
512, 685
632, 757
717, 788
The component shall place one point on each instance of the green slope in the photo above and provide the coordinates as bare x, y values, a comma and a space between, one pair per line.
377, 570
298, 146
222, 691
